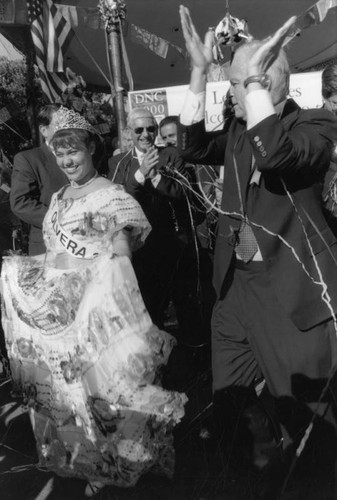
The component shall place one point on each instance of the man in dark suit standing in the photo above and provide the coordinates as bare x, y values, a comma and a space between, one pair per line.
275, 270
154, 176
194, 286
35, 178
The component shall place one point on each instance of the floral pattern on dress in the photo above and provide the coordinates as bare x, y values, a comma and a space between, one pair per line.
85, 354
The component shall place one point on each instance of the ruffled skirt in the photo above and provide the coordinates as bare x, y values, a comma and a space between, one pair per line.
85, 354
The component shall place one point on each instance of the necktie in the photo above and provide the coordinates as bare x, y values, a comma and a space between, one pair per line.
247, 245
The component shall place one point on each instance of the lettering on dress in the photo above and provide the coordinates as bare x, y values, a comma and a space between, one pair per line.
64, 239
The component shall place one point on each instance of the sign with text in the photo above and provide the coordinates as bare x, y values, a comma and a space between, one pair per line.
304, 88
154, 100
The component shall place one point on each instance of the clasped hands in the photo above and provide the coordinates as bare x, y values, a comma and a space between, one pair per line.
149, 163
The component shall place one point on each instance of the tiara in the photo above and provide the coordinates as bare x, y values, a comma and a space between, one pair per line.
68, 118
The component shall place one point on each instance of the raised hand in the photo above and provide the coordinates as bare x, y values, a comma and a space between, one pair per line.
200, 53
268, 52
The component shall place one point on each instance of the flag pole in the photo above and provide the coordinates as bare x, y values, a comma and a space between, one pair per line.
113, 13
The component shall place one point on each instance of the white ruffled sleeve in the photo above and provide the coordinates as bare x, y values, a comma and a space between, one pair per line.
126, 213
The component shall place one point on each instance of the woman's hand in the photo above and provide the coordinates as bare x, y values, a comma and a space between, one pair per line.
268, 52
200, 53
121, 244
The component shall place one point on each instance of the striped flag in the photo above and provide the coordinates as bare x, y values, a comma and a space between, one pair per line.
51, 35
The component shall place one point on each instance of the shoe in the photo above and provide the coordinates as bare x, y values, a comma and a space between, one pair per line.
93, 488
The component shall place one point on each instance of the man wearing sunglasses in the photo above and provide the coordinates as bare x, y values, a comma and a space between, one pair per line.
154, 177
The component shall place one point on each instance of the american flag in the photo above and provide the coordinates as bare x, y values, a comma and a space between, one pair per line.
51, 35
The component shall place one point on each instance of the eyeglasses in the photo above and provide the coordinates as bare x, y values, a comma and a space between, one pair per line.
140, 130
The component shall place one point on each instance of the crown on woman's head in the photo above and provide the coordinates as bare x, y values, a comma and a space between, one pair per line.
68, 118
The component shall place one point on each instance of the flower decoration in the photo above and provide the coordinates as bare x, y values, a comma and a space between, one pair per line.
25, 348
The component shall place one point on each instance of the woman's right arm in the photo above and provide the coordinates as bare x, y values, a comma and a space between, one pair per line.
121, 243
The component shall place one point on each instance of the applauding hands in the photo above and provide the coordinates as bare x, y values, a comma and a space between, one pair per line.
201, 53
150, 160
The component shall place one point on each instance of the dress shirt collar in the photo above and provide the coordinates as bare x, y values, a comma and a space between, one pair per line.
139, 155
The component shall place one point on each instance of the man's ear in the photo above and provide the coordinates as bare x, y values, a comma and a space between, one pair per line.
43, 131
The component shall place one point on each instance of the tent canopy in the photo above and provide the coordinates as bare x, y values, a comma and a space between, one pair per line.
87, 53
8, 50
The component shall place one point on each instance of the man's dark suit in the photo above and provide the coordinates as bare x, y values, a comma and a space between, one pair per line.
284, 207
155, 201
35, 178
163, 205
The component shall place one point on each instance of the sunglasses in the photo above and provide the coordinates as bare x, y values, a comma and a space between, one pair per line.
140, 130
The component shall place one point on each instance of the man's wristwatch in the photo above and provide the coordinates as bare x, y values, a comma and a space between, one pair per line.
263, 79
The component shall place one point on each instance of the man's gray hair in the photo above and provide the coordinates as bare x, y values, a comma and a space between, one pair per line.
140, 113
279, 71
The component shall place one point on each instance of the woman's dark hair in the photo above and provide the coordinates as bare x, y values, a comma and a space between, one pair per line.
72, 138
77, 138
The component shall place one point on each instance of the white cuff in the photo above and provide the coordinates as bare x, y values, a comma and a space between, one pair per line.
193, 109
139, 177
155, 180
258, 106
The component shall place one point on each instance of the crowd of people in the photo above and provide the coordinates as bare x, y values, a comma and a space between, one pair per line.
84, 311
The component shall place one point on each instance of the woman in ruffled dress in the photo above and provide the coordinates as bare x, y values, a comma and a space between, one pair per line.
81, 344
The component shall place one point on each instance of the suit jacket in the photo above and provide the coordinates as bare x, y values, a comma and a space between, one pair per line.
281, 198
35, 178
161, 204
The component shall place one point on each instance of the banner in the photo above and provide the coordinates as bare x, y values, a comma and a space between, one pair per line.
305, 89
7, 11
153, 42
149, 40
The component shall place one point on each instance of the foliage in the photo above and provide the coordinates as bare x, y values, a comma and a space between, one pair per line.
92, 105
15, 95
14, 133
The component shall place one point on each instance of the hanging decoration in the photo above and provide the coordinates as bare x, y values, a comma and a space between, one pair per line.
229, 32
112, 12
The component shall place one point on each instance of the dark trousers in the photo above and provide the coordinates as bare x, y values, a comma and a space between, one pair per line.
253, 337
171, 266
193, 294
156, 266
252, 334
